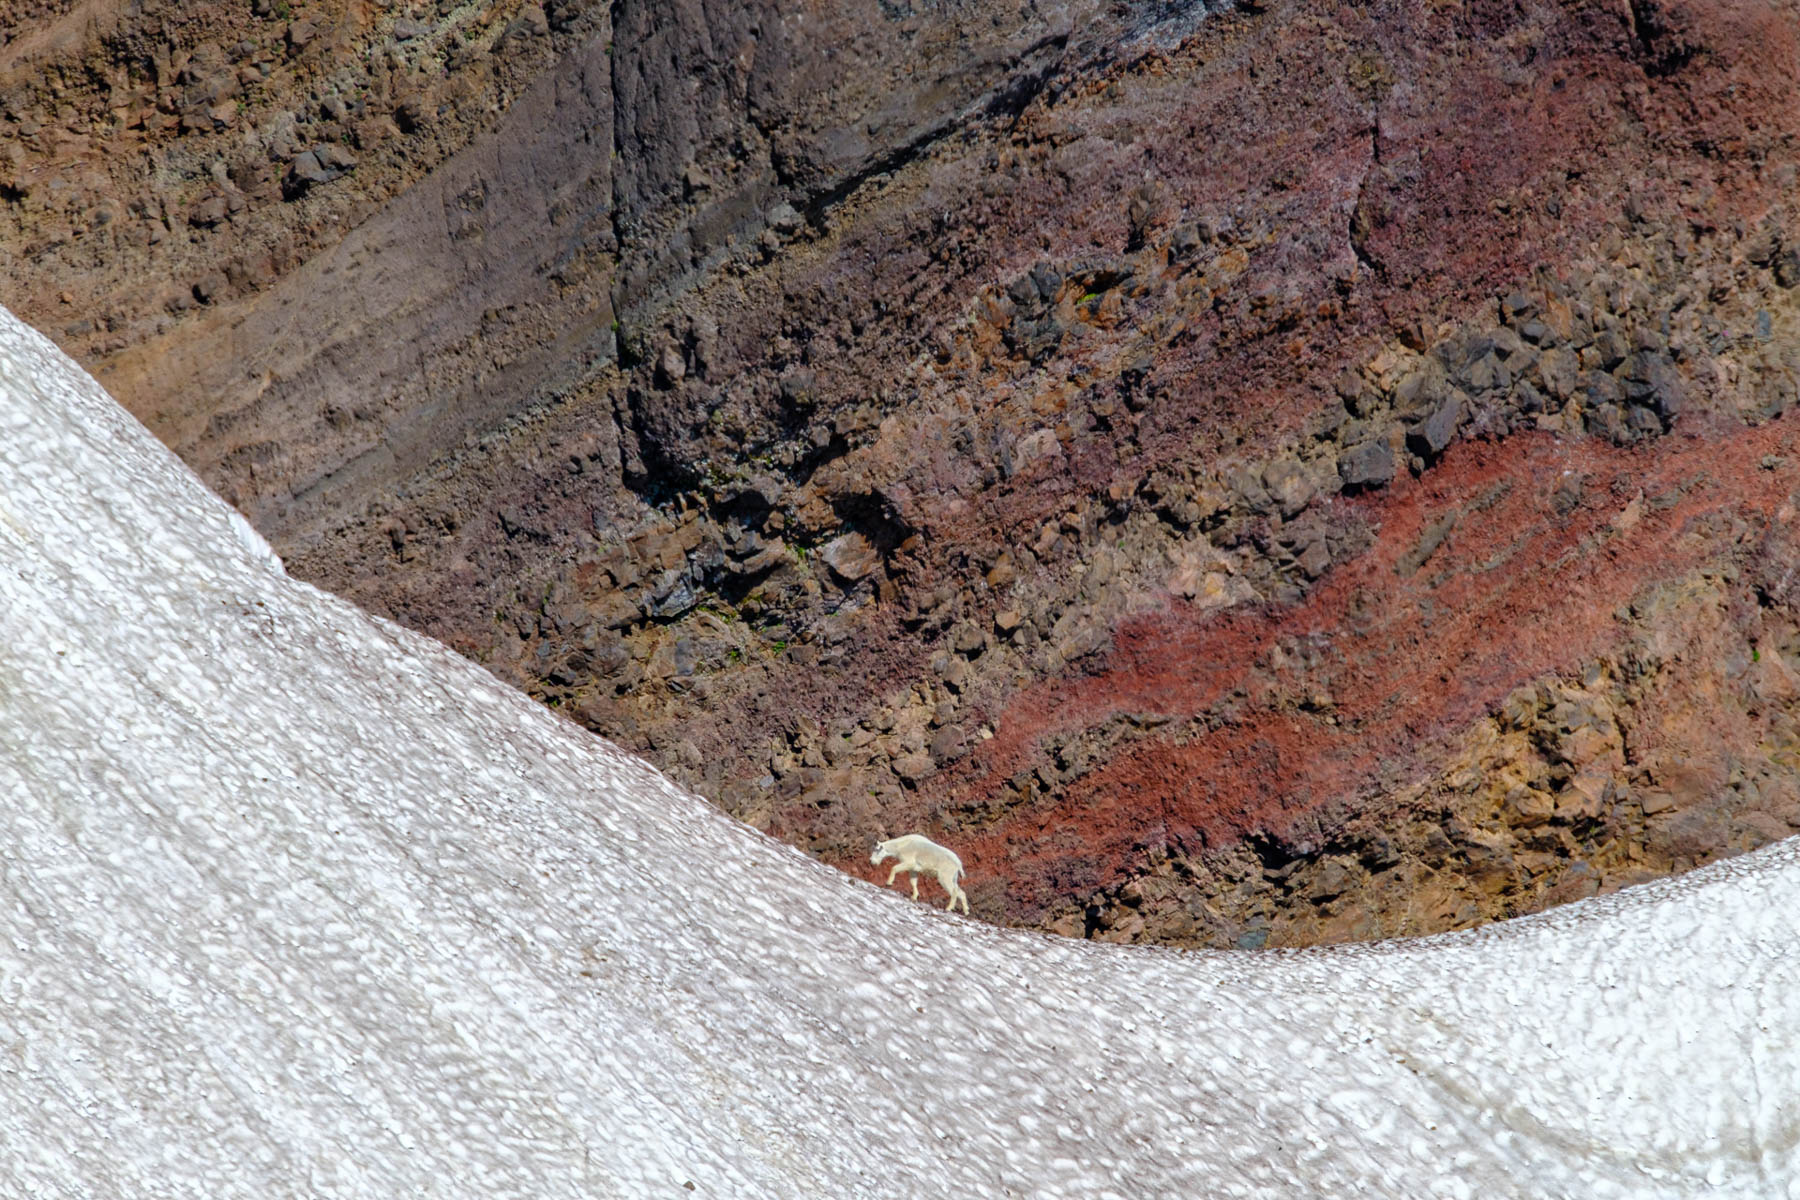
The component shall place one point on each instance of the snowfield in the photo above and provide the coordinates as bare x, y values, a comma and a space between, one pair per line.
296, 903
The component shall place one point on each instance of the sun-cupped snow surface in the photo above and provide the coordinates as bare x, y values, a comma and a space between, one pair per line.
296, 903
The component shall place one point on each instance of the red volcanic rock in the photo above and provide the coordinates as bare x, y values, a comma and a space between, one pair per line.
1407, 660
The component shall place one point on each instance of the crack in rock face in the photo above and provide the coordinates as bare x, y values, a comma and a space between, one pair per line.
1159, 451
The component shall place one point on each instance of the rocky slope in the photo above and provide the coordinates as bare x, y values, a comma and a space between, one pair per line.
1266, 475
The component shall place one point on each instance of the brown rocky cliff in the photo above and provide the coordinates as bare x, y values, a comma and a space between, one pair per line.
1149, 448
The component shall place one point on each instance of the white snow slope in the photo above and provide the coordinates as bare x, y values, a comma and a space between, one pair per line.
296, 903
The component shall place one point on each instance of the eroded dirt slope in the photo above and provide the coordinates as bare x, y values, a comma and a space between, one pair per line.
1258, 476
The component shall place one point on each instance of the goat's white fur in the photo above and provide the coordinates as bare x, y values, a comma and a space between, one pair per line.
917, 853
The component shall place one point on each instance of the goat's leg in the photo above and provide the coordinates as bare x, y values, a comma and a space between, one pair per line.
915, 879
893, 873
955, 893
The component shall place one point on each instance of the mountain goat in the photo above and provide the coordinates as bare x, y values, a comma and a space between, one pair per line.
917, 853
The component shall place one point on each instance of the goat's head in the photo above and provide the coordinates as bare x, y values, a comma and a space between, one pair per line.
881, 852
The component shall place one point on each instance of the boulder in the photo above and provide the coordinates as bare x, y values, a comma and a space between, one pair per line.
1611, 347
1368, 465
307, 171
850, 557
784, 218
1430, 437
1650, 380
334, 157
1486, 373
1287, 484
914, 767
1557, 371
1422, 390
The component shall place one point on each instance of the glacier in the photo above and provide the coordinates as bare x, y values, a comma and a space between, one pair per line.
295, 902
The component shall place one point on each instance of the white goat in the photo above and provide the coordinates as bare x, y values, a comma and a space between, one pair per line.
917, 853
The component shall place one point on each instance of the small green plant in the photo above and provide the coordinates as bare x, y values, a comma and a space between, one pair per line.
283, 10
1755, 654
778, 647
